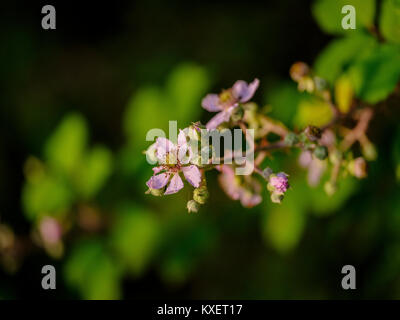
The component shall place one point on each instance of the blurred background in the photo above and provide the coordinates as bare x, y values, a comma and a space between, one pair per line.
75, 106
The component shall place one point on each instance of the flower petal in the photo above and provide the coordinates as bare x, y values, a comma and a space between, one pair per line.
164, 146
181, 138
192, 175
243, 91
175, 185
159, 181
227, 181
211, 103
220, 117
249, 200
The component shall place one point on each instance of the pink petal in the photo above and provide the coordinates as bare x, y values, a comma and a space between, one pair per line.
227, 182
185, 154
211, 103
192, 175
220, 117
164, 146
181, 138
250, 200
243, 91
158, 169
159, 181
175, 185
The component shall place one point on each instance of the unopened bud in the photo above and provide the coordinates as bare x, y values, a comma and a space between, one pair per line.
369, 151
298, 71
267, 173
155, 192
291, 139
313, 133
277, 197
201, 194
192, 206
358, 168
321, 152
330, 188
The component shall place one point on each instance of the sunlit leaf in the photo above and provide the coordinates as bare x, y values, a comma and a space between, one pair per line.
374, 77
340, 54
46, 194
91, 271
135, 237
328, 14
344, 93
389, 20
96, 167
65, 147
313, 111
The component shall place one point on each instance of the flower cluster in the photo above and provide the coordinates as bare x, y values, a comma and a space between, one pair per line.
320, 147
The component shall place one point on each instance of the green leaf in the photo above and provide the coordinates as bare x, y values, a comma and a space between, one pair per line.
185, 87
376, 76
283, 225
313, 111
65, 147
153, 107
328, 14
46, 194
135, 237
92, 272
284, 98
389, 20
341, 53
95, 168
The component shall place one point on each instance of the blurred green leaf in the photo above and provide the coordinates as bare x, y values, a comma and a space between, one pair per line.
313, 111
389, 20
95, 168
185, 87
153, 107
283, 225
340, 53
284, 98
328, 14
47, 194
92, 272
323, 204
64, 149
135, 237
375, 76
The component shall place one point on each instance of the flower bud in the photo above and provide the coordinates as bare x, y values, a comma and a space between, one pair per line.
313, 133
192, 206
200, 195
155, 192
267, 173
298, 70
291, 139
278, 183
321, 152
276, 197
369, 151
358, 168
330, 188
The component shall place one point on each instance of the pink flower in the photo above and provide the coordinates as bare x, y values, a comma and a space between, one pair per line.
248, 192
50, 230
226, 102
174, 158
279, 182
